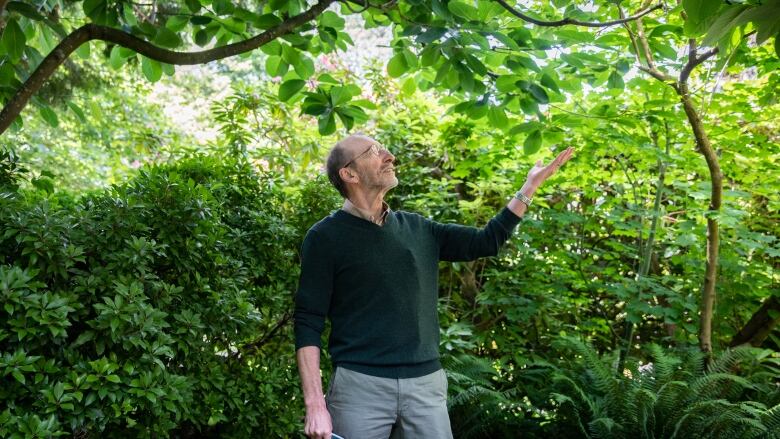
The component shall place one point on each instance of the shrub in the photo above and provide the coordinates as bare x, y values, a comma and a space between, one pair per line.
159, 307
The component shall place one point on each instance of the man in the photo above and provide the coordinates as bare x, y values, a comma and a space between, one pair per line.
374, 272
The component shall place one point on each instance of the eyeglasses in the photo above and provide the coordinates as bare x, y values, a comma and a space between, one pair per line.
374, 149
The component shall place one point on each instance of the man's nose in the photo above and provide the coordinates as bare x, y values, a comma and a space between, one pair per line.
389, 157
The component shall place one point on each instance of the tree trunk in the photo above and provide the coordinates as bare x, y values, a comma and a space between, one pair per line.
760, 324
713, 237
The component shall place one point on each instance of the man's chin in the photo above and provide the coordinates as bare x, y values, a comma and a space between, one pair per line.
392, 182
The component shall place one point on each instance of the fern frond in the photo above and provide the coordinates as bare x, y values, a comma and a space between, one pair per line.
664, 365
728, 359
578, 391
645, 416
565, 401
771, 419
604, 428
671, 400
717, 385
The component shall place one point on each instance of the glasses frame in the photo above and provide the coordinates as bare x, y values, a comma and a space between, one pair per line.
374, 147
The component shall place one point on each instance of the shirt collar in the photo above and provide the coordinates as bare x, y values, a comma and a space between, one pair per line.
350, 208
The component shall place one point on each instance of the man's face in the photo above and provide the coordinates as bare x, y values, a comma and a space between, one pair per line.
373, 164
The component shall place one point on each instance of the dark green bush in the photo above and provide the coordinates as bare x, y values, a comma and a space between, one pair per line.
159, 307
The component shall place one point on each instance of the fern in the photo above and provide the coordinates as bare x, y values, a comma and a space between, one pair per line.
675, 396
771, 418
477, 408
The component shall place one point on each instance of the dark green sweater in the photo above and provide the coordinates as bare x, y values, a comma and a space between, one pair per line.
378, 285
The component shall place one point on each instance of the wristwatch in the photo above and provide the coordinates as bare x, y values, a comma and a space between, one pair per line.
525, 200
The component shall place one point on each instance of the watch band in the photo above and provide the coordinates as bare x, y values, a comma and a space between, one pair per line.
525, 200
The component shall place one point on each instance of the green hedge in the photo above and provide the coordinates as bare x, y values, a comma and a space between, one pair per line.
158, 307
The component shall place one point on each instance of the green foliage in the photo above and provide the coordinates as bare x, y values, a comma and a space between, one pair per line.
155, 308
156, 291
673, 395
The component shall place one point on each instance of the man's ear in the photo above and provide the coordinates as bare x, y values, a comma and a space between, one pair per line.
348, 175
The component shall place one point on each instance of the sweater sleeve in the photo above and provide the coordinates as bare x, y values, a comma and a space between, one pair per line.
312, 300
462, 243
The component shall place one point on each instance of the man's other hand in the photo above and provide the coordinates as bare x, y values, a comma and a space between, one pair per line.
318, 423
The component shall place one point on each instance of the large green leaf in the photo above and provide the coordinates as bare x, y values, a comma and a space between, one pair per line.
78, 112
548, 81
193, 5
25, 9
700, 13
497, 117
326, 123
274, 66
723, 25
331, 19
97, 11
615, 81
151, 69
339, 95
13, 40
167, 38
538, 93
397, 65
115, 60
463, 10
533, 142
289, 88
49, 116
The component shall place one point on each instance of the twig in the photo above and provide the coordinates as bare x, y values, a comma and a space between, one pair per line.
257, 344
657, 74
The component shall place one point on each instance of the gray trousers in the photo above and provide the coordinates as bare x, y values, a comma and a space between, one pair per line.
368, 407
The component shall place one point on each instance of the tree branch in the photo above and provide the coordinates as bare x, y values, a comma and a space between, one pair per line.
640, 29
761, 323
257, 344
95, 32
657, 74
570, 21
694, 61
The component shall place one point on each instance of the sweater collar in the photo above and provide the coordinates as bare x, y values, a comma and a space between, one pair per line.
350, 208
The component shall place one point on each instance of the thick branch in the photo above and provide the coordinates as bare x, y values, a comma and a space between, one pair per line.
757, 329
570, 21
95, 32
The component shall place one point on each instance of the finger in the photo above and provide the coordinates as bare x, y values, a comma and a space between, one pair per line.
539, 163
561, 159
564, 156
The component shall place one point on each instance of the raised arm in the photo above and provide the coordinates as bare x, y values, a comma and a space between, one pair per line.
536, 176
462, 243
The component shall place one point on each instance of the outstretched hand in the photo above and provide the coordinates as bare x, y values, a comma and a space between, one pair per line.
539, 173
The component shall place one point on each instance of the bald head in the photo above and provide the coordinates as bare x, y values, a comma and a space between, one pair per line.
341, 154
